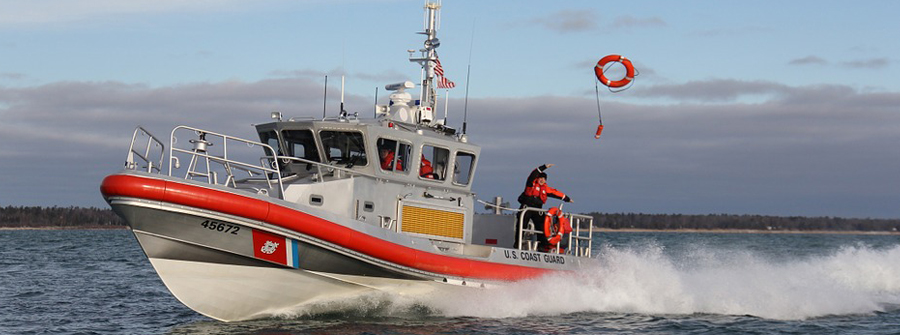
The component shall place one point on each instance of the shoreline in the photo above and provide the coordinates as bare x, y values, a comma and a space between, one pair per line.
65, 228
747, 231
599, 230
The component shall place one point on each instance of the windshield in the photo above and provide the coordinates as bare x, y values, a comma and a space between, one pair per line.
344, 147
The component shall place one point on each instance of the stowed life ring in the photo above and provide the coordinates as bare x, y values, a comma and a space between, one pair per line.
629, 71
555, 225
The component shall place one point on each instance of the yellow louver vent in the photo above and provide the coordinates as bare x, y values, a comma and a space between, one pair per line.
429, 221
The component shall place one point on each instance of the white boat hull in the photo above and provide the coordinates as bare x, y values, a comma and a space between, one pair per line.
208, 253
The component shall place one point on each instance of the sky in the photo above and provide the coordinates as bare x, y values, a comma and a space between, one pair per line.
764, 107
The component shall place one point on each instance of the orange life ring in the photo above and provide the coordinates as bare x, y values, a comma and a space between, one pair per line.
553, 229
629, 71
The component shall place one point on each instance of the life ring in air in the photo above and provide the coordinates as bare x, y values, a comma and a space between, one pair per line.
629, 71
555, 225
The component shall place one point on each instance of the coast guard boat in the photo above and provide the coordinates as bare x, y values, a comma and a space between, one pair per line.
325, 209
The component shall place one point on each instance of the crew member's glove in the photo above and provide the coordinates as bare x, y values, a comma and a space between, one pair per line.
567, 199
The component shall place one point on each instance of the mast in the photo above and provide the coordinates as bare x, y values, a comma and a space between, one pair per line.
422, 112
428, 57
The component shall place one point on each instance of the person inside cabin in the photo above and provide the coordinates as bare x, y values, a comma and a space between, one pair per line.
387, 157
535, 195
425, 169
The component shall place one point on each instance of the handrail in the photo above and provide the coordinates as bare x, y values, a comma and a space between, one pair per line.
319, 166
491, 204
199, 151
130, 164
577, 239
271, 172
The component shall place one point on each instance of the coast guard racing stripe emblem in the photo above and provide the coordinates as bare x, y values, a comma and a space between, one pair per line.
275, 248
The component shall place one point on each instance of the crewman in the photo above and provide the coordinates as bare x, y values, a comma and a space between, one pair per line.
387, 157
535, 195
425, 169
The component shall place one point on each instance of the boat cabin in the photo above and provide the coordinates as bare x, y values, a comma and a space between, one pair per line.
381, 148
405, 178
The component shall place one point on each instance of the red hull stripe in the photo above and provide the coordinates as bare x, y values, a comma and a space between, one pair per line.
255, 209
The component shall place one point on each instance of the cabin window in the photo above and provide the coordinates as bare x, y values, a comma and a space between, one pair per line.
344, 147
462, 168
270, 138
393, 155
433, 163
301, 144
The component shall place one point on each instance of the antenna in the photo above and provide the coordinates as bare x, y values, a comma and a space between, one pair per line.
375, 110
325, 97
446, 106
343, 112
468, 70
466, 104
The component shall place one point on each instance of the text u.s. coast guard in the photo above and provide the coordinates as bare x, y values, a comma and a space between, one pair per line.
534, 257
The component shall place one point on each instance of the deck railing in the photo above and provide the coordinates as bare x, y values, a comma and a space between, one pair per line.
209, 156
579, 241
153, 151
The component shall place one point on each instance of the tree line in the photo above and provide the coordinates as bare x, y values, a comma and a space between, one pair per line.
36, 216
741, 222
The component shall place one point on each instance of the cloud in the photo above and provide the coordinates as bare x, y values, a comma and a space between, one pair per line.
798, 150
62, 11
874, 63
11, 75
584, 20
829, 148
713, 90
732, 32
808, 60
383, 77
628, 21
566, 21
57, 141
84, 114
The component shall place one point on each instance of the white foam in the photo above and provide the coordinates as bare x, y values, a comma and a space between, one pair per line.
647, 280
854, 280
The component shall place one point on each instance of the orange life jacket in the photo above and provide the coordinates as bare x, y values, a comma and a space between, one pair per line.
541, 191
425, 170
388, 158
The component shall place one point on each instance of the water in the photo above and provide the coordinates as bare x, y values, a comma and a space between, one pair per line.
99, 282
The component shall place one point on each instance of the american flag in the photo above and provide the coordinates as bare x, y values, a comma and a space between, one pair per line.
438, 70
443, 82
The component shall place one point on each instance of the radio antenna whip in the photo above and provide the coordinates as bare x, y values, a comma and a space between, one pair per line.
468, 71
325, 97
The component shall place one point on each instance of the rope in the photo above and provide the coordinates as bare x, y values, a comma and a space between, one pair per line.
620, 89
597, 90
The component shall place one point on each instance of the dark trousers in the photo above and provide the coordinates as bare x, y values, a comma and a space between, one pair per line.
537, 219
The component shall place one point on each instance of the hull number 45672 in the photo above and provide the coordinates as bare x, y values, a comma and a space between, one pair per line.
220, 227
